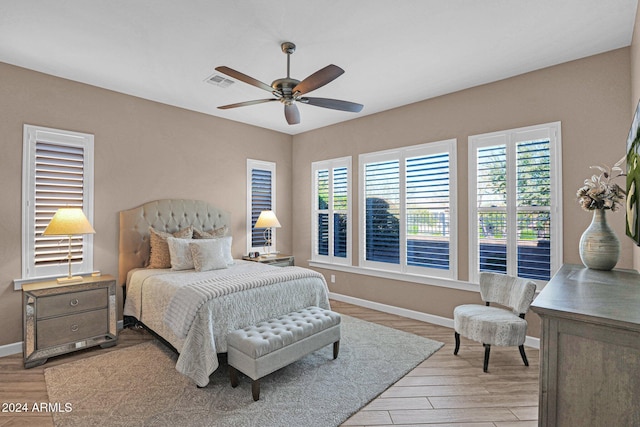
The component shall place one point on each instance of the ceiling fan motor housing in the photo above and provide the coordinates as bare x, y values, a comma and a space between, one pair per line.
285, 87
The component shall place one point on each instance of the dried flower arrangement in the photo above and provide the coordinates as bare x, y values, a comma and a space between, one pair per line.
600, 192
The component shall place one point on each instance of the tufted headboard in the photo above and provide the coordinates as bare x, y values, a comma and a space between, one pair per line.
165, 215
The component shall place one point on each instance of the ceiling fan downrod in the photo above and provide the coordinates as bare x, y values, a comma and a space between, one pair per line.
288, 48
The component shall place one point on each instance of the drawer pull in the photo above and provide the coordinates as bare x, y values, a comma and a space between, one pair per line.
74, 302
74, 328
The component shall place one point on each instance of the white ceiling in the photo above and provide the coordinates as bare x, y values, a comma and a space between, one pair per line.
393, 52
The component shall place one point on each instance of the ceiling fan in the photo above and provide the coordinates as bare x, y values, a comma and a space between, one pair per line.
289, 91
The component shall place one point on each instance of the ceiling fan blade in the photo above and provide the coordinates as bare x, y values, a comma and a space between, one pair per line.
334, 104
318, 79
244, 78
292, 114
244, 104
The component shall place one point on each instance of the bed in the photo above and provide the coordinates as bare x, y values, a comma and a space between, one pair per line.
193, 309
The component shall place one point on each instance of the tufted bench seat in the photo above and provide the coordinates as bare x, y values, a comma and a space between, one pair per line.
268, 346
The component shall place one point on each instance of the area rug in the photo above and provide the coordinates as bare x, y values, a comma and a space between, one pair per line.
139, 386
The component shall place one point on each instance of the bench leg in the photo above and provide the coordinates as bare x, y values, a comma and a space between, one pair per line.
255, 390
233, 375
336, 349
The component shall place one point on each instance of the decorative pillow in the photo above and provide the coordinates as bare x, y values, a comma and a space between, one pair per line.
180, 253
211, 234
226, 250
159, 256
207, 254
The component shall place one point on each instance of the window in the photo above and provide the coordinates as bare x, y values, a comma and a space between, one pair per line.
515, 202
57, 172
408, 212
331, 222
261, 191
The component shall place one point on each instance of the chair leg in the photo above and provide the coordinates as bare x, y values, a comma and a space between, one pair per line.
457, 337
487, 350
336, 349
524, 356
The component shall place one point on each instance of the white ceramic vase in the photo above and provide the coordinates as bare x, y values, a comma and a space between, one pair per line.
599, 245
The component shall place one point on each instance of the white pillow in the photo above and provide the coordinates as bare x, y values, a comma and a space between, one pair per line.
180, 253
207, 254
226, 249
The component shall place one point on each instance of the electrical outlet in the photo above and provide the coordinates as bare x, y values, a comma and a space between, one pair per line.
333, 278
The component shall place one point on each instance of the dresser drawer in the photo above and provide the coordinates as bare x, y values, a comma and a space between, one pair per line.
68, 329
72, 302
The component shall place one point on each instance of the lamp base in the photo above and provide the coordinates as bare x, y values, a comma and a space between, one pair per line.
69, 279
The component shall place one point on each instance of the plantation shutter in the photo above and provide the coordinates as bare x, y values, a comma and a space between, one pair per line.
517, 205
59, 182
534, 209
428, 211
382, 210
492, 207
340, 211
322, 189
57, 173
261, 200
409, 208
331, 210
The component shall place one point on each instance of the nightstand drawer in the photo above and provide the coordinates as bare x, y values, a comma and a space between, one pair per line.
281, 262
72, 302
76, 327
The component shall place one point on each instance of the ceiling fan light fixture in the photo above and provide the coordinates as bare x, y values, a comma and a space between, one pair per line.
289, 91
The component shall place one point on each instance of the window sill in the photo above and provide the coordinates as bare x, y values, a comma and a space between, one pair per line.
405, 277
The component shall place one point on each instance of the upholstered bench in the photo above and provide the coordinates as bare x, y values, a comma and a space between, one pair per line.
268, 346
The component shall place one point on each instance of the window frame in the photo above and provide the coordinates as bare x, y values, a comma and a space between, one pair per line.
401, 155
32, 135
510, 138
331, 165
271, 167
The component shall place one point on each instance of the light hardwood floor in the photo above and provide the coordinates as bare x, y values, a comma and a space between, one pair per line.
445, 390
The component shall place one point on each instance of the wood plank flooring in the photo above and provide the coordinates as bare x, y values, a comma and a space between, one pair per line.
445, 390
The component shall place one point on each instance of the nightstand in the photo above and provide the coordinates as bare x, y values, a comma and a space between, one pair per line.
278, 260
61, 318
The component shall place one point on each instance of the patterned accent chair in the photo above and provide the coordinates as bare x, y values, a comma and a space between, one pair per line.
494, 325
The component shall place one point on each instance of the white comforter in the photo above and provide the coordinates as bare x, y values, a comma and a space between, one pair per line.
228, 306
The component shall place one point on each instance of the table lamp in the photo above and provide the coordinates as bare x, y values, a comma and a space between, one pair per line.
69, 222
268, 221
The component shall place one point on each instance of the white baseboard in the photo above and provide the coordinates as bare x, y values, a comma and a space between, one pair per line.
412, 314
9, 349
15, 348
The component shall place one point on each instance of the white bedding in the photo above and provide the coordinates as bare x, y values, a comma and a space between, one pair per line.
151, 291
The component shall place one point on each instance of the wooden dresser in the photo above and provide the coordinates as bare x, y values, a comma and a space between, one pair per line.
61, 318
590, 348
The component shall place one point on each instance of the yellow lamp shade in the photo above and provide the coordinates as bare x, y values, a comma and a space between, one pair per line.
67, 222
267, 219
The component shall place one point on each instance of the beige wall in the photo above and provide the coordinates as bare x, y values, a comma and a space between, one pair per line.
590, 97
143, 151
635, 96
138, 141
